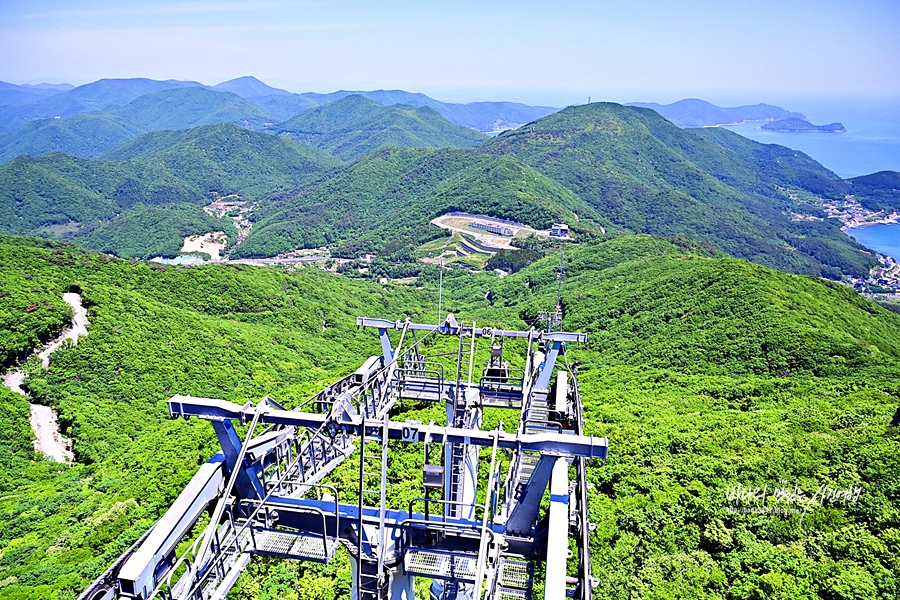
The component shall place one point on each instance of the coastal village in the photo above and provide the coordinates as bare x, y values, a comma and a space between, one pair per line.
883, 281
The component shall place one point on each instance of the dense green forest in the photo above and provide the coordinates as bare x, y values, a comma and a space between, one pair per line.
704, 371
648, 176
385, 201
353, 126
147, 183
602, 168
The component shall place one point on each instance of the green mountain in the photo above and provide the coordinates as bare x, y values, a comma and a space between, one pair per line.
87, 135
91, 97
189, 107
699, 113
227, 159
646, 175
353, 126
705, 372
481, 116
58, 194
384, 202
878, 191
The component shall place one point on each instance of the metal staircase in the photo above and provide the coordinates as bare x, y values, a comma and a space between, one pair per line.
370, 549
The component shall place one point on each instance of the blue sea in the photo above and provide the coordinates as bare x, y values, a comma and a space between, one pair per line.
871, 144
883, 238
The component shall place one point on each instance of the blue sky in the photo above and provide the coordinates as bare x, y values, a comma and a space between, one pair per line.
538, 52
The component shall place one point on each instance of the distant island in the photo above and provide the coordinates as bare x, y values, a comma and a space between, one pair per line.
794, 124
700, 113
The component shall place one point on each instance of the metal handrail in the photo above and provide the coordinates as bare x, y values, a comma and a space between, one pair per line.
443, 519
427, 367
406, 524
553, 426
295, 509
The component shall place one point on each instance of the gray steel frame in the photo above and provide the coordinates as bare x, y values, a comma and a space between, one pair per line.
274, 470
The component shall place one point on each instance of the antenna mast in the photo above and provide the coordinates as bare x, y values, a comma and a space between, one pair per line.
553, 318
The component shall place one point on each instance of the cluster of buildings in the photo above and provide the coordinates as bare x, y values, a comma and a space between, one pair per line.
853, 214
496, 228
236, 209
886, 277
560, 230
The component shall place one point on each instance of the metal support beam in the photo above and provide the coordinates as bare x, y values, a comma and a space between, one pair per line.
551, 443
486, 332
524, 514
387, 350
546, 370
138, 575
248, 483
557, 532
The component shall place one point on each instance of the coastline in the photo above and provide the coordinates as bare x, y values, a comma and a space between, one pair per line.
744, 122
891, 219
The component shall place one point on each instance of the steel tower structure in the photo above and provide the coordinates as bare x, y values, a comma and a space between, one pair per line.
474, 537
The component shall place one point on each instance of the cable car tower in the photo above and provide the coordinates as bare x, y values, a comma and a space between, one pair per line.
475, 533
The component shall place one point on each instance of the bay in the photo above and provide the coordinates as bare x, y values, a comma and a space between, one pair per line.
883, 238
870, 144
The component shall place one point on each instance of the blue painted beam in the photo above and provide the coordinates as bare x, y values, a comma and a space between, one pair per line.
548, 443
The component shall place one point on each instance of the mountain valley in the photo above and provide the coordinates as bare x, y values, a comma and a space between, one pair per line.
725, 349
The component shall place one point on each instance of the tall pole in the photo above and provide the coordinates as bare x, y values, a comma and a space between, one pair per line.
440, 292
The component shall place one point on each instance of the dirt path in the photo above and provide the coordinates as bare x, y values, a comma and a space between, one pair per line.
47, 438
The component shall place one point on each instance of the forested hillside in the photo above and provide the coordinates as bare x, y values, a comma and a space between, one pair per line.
646, 175
89, 199
704, 371
88, 135
384, 202
878, 191
353, 126
599, 167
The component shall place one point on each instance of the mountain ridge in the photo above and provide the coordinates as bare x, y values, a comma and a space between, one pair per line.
354, 125
693, 112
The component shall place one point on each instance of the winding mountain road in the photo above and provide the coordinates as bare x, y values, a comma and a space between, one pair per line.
47, 438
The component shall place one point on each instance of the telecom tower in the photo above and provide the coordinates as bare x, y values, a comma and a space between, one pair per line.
553, 318
474, 537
